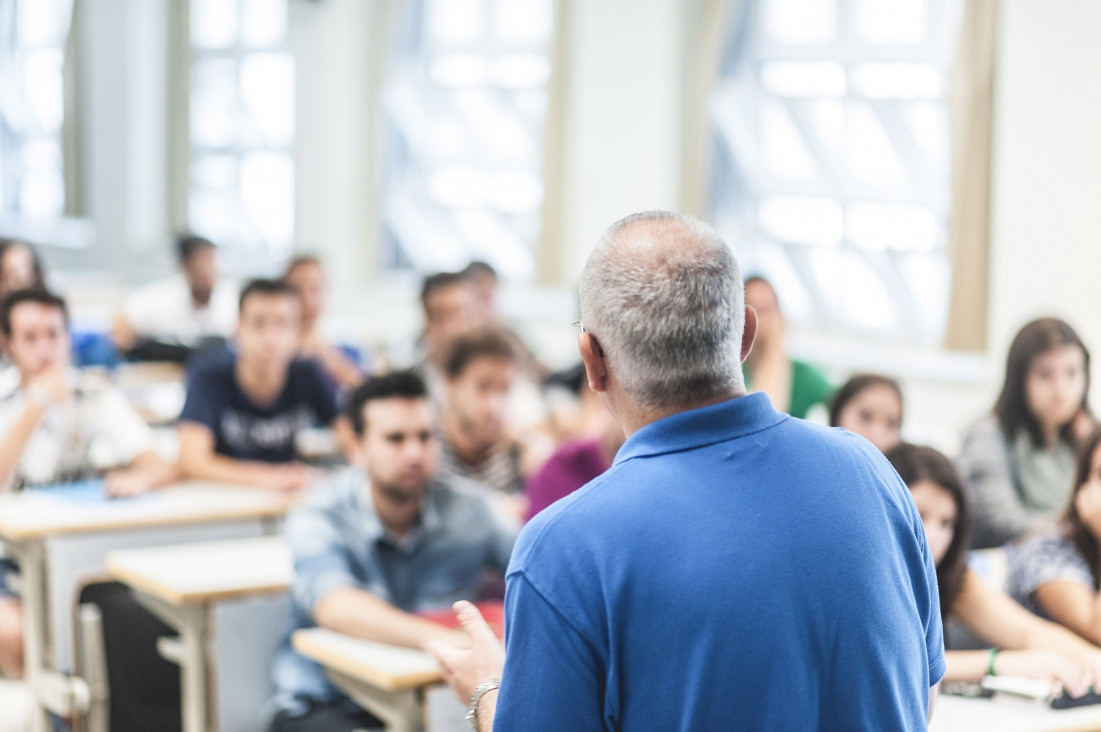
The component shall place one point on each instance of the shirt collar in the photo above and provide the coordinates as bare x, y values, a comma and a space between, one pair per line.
703, 426
431, 518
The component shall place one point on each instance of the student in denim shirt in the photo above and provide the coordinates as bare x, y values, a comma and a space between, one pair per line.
377, 545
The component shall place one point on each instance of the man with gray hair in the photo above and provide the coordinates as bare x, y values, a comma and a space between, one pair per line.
735, 568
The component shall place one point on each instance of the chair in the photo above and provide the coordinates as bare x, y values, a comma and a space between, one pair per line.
132, 688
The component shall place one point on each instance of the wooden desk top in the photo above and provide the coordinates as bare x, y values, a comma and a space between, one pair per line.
30, 515
384, 666
1010, 714
187, 574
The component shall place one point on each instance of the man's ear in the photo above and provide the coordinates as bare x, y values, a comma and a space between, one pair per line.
596, 366
749, 333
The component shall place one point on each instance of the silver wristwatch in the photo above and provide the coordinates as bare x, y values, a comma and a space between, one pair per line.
472, 708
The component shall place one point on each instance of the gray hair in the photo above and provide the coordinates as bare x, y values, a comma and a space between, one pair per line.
663, 295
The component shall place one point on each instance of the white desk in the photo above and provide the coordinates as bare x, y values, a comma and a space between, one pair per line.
235, 589
389, 681
1010, 714
56, 541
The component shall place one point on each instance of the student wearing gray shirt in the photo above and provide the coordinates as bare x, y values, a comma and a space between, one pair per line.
378, 544
1018, 462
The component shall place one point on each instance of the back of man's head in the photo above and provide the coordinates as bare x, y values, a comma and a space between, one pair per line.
662, 294
406, 384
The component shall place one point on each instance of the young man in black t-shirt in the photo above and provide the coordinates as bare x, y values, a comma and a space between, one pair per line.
241, 416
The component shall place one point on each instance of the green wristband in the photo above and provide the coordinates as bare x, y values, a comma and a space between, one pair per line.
990, 664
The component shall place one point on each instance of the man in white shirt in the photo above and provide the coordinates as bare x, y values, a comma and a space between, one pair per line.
169, 319
58, 424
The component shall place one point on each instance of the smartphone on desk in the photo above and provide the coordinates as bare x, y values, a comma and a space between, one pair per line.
1065, 701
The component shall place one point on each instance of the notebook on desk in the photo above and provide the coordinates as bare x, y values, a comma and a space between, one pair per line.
90, 490
492, 610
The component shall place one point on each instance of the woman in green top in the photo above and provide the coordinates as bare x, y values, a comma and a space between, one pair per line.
792, 386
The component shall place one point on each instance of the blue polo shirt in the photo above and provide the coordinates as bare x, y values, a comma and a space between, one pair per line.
338, 541
735, 569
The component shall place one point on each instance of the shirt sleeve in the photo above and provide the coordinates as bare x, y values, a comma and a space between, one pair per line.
929, 604
321, 561
322, 394
1046, 558
997, 513
205, 401
552, 679
120, 425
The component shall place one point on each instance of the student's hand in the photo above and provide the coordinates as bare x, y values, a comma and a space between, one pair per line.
122, 483
1081, 427
1088, 503
464, 669
54, 383
1049, 665
287, 478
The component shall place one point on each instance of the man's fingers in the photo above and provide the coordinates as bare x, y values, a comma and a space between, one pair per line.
473, 622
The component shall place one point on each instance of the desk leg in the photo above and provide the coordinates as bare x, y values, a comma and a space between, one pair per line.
401, 711
32, 568
190, 621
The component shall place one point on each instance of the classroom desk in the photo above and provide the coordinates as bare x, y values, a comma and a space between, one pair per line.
389, 681
198, 589
1005, 713
56, 541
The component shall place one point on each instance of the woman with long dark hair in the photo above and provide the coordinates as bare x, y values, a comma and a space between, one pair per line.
1018, 461
1024, 645
1057, 573
871, 406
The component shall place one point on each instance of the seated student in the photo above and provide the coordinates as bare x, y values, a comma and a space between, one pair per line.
380, 543
871, 406
451, 308
20, 267
59, 424
476, 443
241, 416
305, 275
170, 319
1024, 644
792, 386
483, 278
573, 465
1056, 572
1017, 463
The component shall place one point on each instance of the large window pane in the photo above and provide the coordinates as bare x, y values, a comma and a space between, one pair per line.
242, 175
830, 173
462, 134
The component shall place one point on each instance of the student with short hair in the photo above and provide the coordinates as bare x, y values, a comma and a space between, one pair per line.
1018, 461
871, 406
306, 276
792, 386
20, 267
378, 544
1024, 645
481, 370
59, 424
1056, 571
242, 415
192, 310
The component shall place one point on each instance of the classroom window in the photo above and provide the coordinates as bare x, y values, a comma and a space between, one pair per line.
241, 128
33, 36
830, 160
463, 112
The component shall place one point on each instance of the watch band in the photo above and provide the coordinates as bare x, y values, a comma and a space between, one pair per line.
472, 708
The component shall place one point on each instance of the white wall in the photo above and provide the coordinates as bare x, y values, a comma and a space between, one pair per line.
1046, 257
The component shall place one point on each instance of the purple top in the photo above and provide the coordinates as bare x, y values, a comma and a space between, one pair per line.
571, 466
